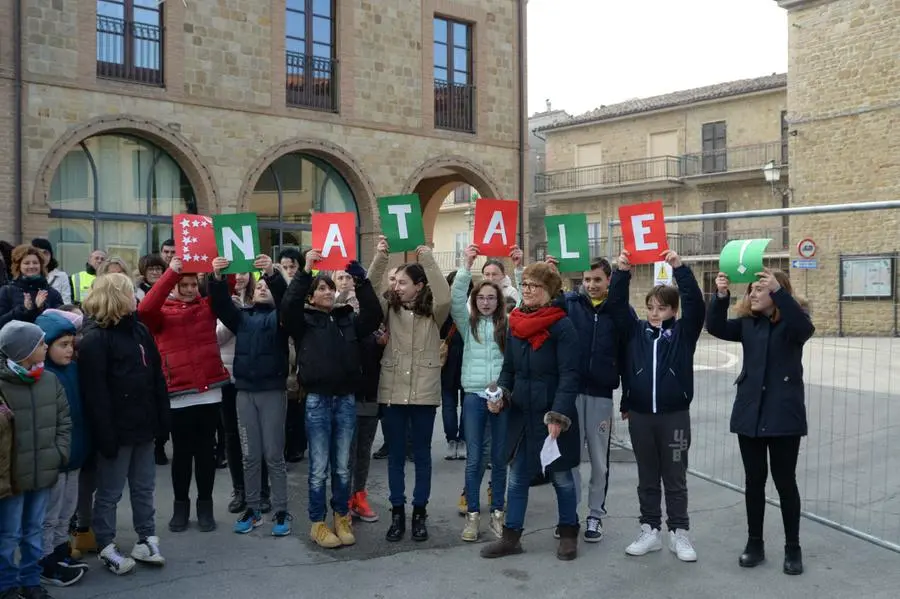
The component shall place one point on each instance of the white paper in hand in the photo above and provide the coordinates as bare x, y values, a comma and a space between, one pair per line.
549, 452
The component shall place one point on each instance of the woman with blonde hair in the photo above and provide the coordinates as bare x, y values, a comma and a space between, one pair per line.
115, 264
769, 413
127, 407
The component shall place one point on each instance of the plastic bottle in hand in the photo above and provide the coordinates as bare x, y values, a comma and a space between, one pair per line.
494, 393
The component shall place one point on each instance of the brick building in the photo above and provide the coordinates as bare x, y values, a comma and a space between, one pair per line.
132, 110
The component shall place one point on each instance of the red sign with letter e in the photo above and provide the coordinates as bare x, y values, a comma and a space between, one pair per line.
195, 242
643, 232
495, 226
334, 234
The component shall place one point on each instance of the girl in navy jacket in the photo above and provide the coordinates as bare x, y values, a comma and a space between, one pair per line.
769, 413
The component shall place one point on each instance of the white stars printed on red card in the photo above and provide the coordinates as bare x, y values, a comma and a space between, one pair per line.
195, 241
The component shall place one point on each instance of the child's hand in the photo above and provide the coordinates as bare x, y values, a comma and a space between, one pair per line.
382, 245
516, 255
219, 264
623, 262
312, 256
264, 263
722, 285
768, 281
552, 261
672, 258
470, 253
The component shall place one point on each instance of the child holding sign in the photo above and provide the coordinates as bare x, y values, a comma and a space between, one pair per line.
659, 383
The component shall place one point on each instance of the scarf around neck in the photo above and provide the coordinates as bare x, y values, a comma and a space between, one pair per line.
533, 326
26, 375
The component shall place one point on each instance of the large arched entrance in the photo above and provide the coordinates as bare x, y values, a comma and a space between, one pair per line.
116, 192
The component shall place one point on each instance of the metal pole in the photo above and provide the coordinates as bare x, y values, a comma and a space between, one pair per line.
609, 246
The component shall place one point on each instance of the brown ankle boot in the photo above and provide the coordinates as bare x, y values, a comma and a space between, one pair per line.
507, 545
568, 543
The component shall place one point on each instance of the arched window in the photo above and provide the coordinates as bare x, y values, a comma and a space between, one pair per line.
116, 193
287, 193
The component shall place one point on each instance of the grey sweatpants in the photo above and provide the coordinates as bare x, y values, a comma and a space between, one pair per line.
595, 417
261, 418
135, 464
660, 443
361, 450
60, 507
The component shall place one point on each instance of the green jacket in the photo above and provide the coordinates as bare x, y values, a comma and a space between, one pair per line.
43, 427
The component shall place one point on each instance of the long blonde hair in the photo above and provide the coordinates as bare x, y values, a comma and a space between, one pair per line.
110, 300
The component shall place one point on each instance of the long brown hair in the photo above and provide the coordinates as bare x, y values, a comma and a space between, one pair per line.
499, 316
743, 308
423, 304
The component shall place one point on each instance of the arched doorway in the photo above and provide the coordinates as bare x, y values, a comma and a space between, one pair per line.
115, 192
286, 194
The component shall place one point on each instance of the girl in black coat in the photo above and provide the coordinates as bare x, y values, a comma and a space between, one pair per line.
540, 381
769, 413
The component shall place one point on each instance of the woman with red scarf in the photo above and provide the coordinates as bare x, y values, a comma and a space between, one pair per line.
540, 382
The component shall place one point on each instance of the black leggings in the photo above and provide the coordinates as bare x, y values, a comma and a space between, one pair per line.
194, 450
782, 455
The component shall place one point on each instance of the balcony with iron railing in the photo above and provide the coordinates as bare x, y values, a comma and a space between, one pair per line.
311, 82
129, 51
616, 175
739, 160
454, 106
710, 243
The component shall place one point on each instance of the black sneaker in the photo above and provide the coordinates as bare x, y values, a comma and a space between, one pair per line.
419, 530
35, 593
58, 576
71, 562
593, 530
398, 525
381, 453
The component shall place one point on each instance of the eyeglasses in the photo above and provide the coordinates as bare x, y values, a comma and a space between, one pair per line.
486, 298
532, 286
156, 269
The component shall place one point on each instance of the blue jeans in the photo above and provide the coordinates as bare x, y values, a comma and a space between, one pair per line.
22, 528
477, 416
330, 426
454, 424
418, 421
520, 482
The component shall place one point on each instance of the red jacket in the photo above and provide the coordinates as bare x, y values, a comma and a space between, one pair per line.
186, 336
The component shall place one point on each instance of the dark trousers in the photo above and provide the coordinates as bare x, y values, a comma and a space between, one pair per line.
295, 424
361, 451
660, 443
233, 443
194, 450
417, 422
782, 455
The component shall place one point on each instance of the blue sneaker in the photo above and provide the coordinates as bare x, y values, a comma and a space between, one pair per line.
250, 520
282, 526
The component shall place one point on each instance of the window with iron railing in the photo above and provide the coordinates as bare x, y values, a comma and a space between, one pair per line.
454, 91
310, 60
715, 156
130, 41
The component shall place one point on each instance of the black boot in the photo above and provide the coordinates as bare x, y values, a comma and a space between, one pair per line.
793, 560
238, 503
419, 530
398, 524
181, 513
754, 553
206, 520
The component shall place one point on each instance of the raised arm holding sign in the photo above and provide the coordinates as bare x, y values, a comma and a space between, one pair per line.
237, 239
742, 259
335, 234
643, 231
568, 242
401, 222
495, 226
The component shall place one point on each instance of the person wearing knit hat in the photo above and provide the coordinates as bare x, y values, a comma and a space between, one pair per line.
58, 566
57, 278
43, 433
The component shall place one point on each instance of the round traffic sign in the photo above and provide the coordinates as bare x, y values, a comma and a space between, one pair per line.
806, 248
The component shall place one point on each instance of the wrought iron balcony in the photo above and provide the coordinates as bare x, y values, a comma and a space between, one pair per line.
616, 174
730, 160
454, 106
311, 81
129, 51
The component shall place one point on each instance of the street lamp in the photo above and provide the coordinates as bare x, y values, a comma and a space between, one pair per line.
772, 172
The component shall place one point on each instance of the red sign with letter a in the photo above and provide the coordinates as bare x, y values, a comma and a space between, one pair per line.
495, 226
643, 232
334, 234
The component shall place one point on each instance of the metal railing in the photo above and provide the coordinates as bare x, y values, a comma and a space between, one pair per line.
727, 160
454, 106
616, 173
311, 81
707, 243
129, 51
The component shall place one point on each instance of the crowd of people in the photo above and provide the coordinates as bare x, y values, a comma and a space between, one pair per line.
98, 371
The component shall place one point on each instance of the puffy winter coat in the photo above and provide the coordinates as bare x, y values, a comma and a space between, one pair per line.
411, 366
12, 299
122, 385
185, 333
770, 400
482, 358
8, 453
43, 426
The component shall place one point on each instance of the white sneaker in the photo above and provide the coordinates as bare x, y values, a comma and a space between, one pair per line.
460, 450
451, 451
114, 561
147, 551
497, 520
680, 544
647, 542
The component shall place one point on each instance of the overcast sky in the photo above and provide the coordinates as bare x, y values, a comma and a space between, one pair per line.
584, 53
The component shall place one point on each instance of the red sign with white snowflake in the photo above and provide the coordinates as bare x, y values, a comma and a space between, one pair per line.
195, 241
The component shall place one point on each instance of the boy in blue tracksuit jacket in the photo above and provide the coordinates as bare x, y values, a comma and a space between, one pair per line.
658, 376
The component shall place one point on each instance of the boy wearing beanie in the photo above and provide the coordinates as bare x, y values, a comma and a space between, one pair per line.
42, 429
59, 569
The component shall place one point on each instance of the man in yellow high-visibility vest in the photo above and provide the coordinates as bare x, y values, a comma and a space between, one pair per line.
84, 280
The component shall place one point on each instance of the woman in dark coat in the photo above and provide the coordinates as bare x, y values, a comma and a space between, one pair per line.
28, 294
540, 382
769, 414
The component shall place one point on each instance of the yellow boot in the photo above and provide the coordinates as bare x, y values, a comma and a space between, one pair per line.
463, 506
343, 528
323, 537
83, 543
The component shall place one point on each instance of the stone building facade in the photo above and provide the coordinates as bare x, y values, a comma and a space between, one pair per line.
275, 106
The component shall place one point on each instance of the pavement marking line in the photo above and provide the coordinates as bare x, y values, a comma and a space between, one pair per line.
731, 360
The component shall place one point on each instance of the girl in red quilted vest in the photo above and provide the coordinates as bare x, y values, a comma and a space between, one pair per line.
184, 327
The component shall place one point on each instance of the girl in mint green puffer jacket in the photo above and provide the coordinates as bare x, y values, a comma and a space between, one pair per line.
481, 320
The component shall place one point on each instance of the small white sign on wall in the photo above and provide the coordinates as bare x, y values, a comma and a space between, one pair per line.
662, 273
